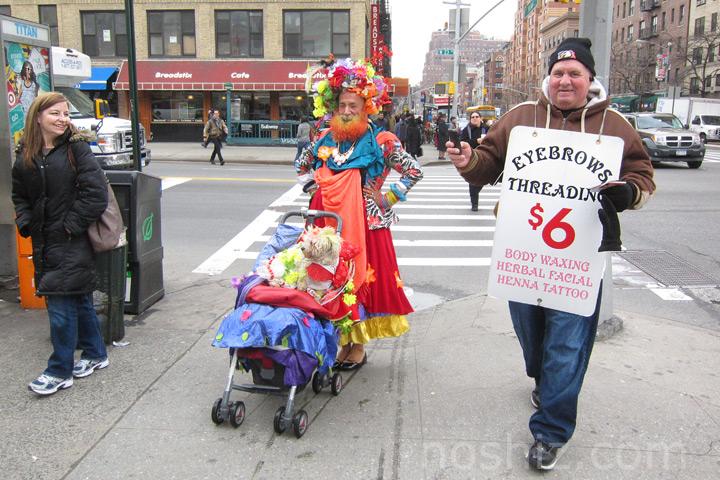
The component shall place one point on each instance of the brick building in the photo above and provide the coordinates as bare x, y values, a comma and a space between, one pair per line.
702, 67
188, 50
649, 42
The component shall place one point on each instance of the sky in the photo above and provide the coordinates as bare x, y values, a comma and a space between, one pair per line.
413, 21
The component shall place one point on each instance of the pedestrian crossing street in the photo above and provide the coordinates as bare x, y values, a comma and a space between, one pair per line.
436, 226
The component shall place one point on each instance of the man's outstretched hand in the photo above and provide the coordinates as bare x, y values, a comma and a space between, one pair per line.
460, 157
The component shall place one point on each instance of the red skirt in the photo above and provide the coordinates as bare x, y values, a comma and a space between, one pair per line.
382, 293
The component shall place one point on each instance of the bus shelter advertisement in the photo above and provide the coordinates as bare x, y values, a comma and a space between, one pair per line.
27, 70
548, 231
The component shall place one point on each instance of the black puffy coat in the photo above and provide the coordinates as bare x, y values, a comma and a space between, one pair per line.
413, 139
58, 215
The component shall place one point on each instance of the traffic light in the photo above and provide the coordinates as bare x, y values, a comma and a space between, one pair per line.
445, 88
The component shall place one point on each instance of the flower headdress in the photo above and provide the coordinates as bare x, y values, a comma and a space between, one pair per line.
354, 76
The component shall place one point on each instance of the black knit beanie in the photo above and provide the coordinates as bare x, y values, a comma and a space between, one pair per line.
573, 49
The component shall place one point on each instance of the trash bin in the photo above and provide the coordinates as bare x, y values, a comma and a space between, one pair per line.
109, 294
138, 195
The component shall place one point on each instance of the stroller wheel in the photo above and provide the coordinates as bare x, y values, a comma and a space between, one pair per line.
237, 414
215, 414
300, 423
337, 384
317, 385
278, 422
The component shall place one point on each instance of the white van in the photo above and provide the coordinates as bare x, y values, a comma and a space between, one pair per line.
113, 143
707, 126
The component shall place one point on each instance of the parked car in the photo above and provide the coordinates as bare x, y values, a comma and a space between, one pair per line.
666, 139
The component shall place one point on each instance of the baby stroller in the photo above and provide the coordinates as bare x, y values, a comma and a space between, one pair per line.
284, 337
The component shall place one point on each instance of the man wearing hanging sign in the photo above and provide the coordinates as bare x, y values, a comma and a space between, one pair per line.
569, 164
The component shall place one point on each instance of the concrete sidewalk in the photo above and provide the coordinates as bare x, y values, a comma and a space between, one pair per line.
449, 400
194, 152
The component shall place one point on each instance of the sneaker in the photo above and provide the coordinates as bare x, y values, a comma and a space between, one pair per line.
47, 385
86, 367
535, 398
542, 456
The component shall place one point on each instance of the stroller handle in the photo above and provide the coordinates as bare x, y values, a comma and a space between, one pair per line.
311, 215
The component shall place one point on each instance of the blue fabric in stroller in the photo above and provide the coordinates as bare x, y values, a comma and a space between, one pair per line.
289, 336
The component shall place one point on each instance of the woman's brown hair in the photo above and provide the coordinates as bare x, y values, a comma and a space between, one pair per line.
32, 139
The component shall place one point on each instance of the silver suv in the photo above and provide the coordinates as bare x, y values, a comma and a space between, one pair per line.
666, 139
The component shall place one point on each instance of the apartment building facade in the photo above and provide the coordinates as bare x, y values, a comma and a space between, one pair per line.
702, 68
192, 54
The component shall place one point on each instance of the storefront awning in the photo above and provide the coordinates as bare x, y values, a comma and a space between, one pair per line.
253, 75
98, 79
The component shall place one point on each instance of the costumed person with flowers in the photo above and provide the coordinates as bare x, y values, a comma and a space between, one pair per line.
345, 169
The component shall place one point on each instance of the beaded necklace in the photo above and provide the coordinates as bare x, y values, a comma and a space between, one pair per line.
341, 158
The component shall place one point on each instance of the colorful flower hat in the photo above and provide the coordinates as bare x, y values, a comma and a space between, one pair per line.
354, 76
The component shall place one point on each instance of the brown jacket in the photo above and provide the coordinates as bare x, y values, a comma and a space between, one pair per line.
488, 159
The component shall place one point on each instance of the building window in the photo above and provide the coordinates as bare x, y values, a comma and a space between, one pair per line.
315, 33
631, 8
239, 33
681, 15
708, 81
104, 34
662, 25
700, 2
697, 55
5, 10
631, 32
177, 106
171, 33
672, 16
624, 9
717, 80
713, 22
699, 26
653, 24
622, 35
48, 16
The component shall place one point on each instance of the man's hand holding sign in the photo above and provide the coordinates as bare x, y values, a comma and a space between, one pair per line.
569, 164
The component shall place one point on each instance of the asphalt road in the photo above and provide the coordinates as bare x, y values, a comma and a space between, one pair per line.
215, 219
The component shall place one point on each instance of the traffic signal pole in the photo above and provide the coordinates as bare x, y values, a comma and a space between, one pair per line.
456, 44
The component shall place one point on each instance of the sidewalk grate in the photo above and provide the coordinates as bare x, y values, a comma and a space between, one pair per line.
668, 269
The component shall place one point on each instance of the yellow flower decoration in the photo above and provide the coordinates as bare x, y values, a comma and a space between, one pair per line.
324, 152
349, 299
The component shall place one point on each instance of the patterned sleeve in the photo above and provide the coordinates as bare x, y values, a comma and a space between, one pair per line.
408, 168
304, 165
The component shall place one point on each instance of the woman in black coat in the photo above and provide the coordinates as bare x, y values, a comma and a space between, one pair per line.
58, 190
472, 134
413, 137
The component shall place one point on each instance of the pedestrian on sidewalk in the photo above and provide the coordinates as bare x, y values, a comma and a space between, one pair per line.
442, 135
215, 131
557, 345
413, 137
349, 164
55, 203
401, 130
472, 134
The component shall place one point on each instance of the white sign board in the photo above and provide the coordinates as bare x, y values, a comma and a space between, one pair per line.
548, 231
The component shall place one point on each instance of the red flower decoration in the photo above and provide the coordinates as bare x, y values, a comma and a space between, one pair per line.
245, 315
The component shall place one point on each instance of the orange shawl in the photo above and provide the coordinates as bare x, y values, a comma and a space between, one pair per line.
342, 194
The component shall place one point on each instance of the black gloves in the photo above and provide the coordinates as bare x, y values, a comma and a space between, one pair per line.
611, 226
622, 196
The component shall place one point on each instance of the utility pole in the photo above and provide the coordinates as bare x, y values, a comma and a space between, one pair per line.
596, 24
456, 44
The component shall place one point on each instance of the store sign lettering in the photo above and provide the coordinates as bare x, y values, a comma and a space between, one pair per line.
25, 30
293, 75
173, 75
239, 75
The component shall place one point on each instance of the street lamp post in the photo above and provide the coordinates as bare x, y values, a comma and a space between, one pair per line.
668, 86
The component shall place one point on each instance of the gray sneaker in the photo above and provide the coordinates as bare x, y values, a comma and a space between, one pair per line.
47, 385
86, 367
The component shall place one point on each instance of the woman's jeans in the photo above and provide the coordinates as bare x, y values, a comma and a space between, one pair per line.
557, 347
73, 323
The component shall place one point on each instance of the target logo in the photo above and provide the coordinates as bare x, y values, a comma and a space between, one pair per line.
11, 98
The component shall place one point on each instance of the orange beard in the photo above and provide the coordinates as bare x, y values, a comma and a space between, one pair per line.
348, 128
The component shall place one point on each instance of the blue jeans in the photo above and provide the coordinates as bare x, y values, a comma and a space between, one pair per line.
73, 323
556, 346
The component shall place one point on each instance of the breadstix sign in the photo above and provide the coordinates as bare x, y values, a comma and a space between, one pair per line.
547, 234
